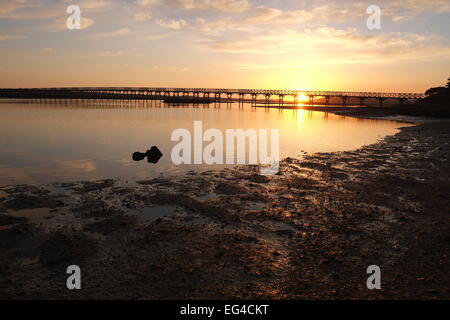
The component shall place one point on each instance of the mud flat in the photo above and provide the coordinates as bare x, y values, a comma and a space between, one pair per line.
308, 233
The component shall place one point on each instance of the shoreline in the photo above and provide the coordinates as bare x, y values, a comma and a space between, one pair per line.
308, 233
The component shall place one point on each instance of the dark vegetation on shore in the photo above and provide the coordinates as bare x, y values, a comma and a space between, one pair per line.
436, 104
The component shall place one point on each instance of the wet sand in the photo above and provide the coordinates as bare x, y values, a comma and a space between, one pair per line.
308, 233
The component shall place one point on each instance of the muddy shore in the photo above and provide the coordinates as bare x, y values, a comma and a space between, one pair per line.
309, 232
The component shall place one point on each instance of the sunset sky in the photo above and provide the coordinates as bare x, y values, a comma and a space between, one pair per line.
284, 44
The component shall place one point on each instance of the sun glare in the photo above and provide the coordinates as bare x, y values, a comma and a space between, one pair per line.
302, 97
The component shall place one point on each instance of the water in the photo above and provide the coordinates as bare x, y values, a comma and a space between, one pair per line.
63, 141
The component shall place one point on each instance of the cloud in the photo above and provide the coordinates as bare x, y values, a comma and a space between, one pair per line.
8, 6
418, 6
261, 17
212, 5
95, 4
142, 16
145, 3
330, 45
86, 23
116, 33
172, 24
44, 9
399, 11
4, 37
133, 52
22, 9
60, 25
219, 5
158, 36
322, 14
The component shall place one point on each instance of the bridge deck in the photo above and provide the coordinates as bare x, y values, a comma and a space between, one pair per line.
263, 92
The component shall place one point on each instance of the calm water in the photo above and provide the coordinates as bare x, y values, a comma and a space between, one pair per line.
72, 140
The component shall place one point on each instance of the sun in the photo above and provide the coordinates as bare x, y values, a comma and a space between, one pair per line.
302, 97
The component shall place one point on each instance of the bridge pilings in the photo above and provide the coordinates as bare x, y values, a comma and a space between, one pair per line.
267, 99
281, 100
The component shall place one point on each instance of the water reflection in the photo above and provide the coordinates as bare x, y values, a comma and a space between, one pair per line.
68, 140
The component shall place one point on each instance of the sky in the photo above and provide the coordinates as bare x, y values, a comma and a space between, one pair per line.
267, 44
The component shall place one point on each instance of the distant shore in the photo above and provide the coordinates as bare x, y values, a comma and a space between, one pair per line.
412, 110
308, 233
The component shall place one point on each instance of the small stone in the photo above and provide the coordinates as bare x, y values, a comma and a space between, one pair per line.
153, 155
138, 156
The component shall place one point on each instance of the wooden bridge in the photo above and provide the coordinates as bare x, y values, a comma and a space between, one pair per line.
201, 94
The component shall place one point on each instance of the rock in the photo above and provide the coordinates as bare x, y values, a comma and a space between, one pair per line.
153, 155
138, 156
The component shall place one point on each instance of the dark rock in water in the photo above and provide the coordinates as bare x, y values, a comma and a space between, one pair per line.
138, 156
153, 155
